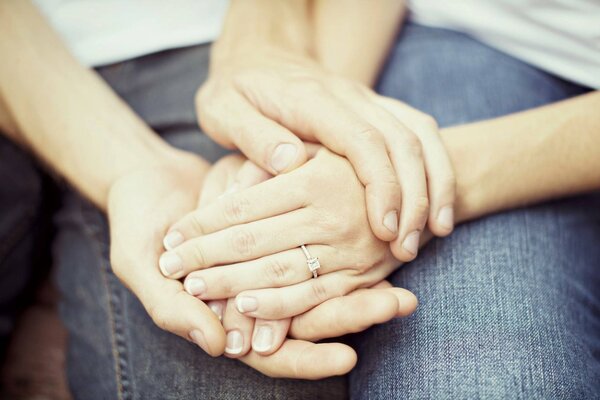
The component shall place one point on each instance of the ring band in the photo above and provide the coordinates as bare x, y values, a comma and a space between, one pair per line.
312, 262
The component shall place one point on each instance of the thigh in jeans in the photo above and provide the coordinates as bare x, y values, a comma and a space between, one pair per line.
115, 350
509, 304
23, 226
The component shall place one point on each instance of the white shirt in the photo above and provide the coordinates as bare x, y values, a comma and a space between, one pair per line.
100, 32
559, 36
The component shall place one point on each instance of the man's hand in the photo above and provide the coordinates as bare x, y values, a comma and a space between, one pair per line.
141, 207
264, 97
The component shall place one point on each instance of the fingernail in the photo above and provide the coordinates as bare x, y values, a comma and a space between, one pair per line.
283, 156
263, 339
390, 221
217, 308
246, 304
170, 263
411, 243
172, 240
194, 286
235, 342
446, 217
198, 337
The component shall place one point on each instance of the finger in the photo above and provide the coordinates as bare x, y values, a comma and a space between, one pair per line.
250, 174
441, 180
174, 310
269, 335
316, 115
234, 121
239, 331
276, 270
218, 307
346, 314
239, 243
353, 313
405, 150
299, 359
252, 204
379, 285
294, 300
218, 179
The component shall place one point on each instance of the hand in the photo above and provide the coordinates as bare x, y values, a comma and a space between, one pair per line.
141, 206
254, 234
297, 358
277, 98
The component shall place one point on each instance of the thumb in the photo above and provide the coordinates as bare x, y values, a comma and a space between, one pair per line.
265, 142
174, 310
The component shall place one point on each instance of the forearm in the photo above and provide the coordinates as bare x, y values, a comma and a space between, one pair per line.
251, 25
64, 112
352, 38
528, 157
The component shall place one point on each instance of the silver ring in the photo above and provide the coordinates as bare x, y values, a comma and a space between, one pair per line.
312, 262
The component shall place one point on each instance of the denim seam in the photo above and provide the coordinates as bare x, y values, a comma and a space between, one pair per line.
115, 317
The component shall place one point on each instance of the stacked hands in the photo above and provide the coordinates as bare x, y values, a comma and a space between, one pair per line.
232, 275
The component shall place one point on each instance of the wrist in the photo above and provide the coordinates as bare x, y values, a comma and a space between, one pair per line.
467, 165
252, 25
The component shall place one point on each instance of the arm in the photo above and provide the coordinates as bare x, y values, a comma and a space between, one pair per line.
371, 25
63, 112
74, 122
527, 157
263, 73
536, 155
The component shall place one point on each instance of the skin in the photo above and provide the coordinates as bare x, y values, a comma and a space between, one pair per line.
557, 165
264, 71
143, 185
138, 157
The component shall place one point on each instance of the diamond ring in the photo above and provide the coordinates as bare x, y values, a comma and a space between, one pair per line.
312, 262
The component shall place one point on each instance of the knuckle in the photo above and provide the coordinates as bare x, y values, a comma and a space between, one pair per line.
236, 209
412, 145
449, 182
367, 135
429, 122
277, 270
319, 290
199, 255
196, 224
159, 315
243, 242
420, 207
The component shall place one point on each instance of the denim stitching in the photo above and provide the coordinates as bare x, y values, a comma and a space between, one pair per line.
115, 311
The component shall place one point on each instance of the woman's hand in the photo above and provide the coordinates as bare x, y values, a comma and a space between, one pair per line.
254, 235
258, 342
266, 100
142, 205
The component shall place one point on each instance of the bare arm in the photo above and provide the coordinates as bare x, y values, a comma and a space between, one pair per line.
353, 38
64, 112
528, 157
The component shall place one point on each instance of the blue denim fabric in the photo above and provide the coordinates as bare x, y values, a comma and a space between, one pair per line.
23, 224
509, 303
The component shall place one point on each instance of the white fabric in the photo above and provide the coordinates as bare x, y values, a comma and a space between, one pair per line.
100, 32
559, 36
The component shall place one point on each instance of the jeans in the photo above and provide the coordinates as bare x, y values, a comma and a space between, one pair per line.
24, 233
509, 304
